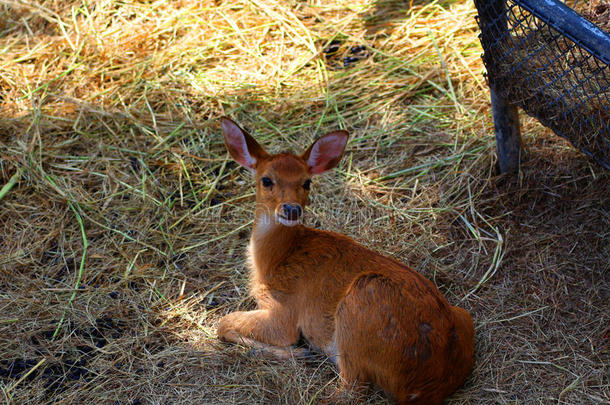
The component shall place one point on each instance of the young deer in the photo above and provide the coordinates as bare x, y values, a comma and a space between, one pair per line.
379, 320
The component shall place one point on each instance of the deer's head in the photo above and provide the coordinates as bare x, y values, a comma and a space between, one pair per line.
283, 180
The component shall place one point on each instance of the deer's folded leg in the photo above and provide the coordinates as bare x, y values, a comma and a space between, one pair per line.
258, 328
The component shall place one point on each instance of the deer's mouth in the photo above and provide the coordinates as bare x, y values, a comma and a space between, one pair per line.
286, 221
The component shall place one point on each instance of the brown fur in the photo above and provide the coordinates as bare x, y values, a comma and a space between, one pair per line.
381, 321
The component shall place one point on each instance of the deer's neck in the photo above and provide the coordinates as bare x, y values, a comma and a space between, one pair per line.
270, 244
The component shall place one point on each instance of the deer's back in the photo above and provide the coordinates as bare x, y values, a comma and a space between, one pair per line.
327, 263
324, 266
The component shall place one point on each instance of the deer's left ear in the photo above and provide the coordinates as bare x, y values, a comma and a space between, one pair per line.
326, 152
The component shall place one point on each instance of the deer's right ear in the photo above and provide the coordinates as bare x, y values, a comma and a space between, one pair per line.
243, 148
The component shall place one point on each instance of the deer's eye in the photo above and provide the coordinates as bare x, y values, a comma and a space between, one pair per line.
266, 182
307, 185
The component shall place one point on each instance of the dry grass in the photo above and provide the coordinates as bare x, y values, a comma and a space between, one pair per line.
123, 223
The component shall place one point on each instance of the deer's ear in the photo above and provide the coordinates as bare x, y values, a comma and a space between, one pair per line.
241, 146
326, 152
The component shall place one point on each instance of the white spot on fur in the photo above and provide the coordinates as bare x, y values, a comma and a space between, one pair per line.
250, 255
287, 222
332, 351
264, 223
413, 396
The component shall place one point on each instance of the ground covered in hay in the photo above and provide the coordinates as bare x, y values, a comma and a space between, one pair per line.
123, 222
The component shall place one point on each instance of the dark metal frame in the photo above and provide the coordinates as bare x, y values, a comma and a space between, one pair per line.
493, 21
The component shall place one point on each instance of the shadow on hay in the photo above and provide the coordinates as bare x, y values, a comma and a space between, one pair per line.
385, 14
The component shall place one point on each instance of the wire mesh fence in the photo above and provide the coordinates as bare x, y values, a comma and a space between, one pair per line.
554, 64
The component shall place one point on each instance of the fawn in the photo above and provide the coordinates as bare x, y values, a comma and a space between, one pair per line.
379, 320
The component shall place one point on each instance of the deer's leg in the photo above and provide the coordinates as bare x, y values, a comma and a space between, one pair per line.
269, 330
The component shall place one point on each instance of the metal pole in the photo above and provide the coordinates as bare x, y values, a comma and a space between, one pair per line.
508, 133
492, 19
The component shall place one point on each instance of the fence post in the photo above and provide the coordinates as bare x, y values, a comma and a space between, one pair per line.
508, 133
492, 18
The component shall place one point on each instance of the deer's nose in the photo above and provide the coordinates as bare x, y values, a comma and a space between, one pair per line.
292, 212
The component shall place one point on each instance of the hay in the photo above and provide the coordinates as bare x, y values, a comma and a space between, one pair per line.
123, 223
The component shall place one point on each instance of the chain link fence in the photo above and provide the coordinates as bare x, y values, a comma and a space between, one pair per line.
547, 59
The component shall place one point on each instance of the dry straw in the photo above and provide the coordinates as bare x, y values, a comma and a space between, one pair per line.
123, 223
